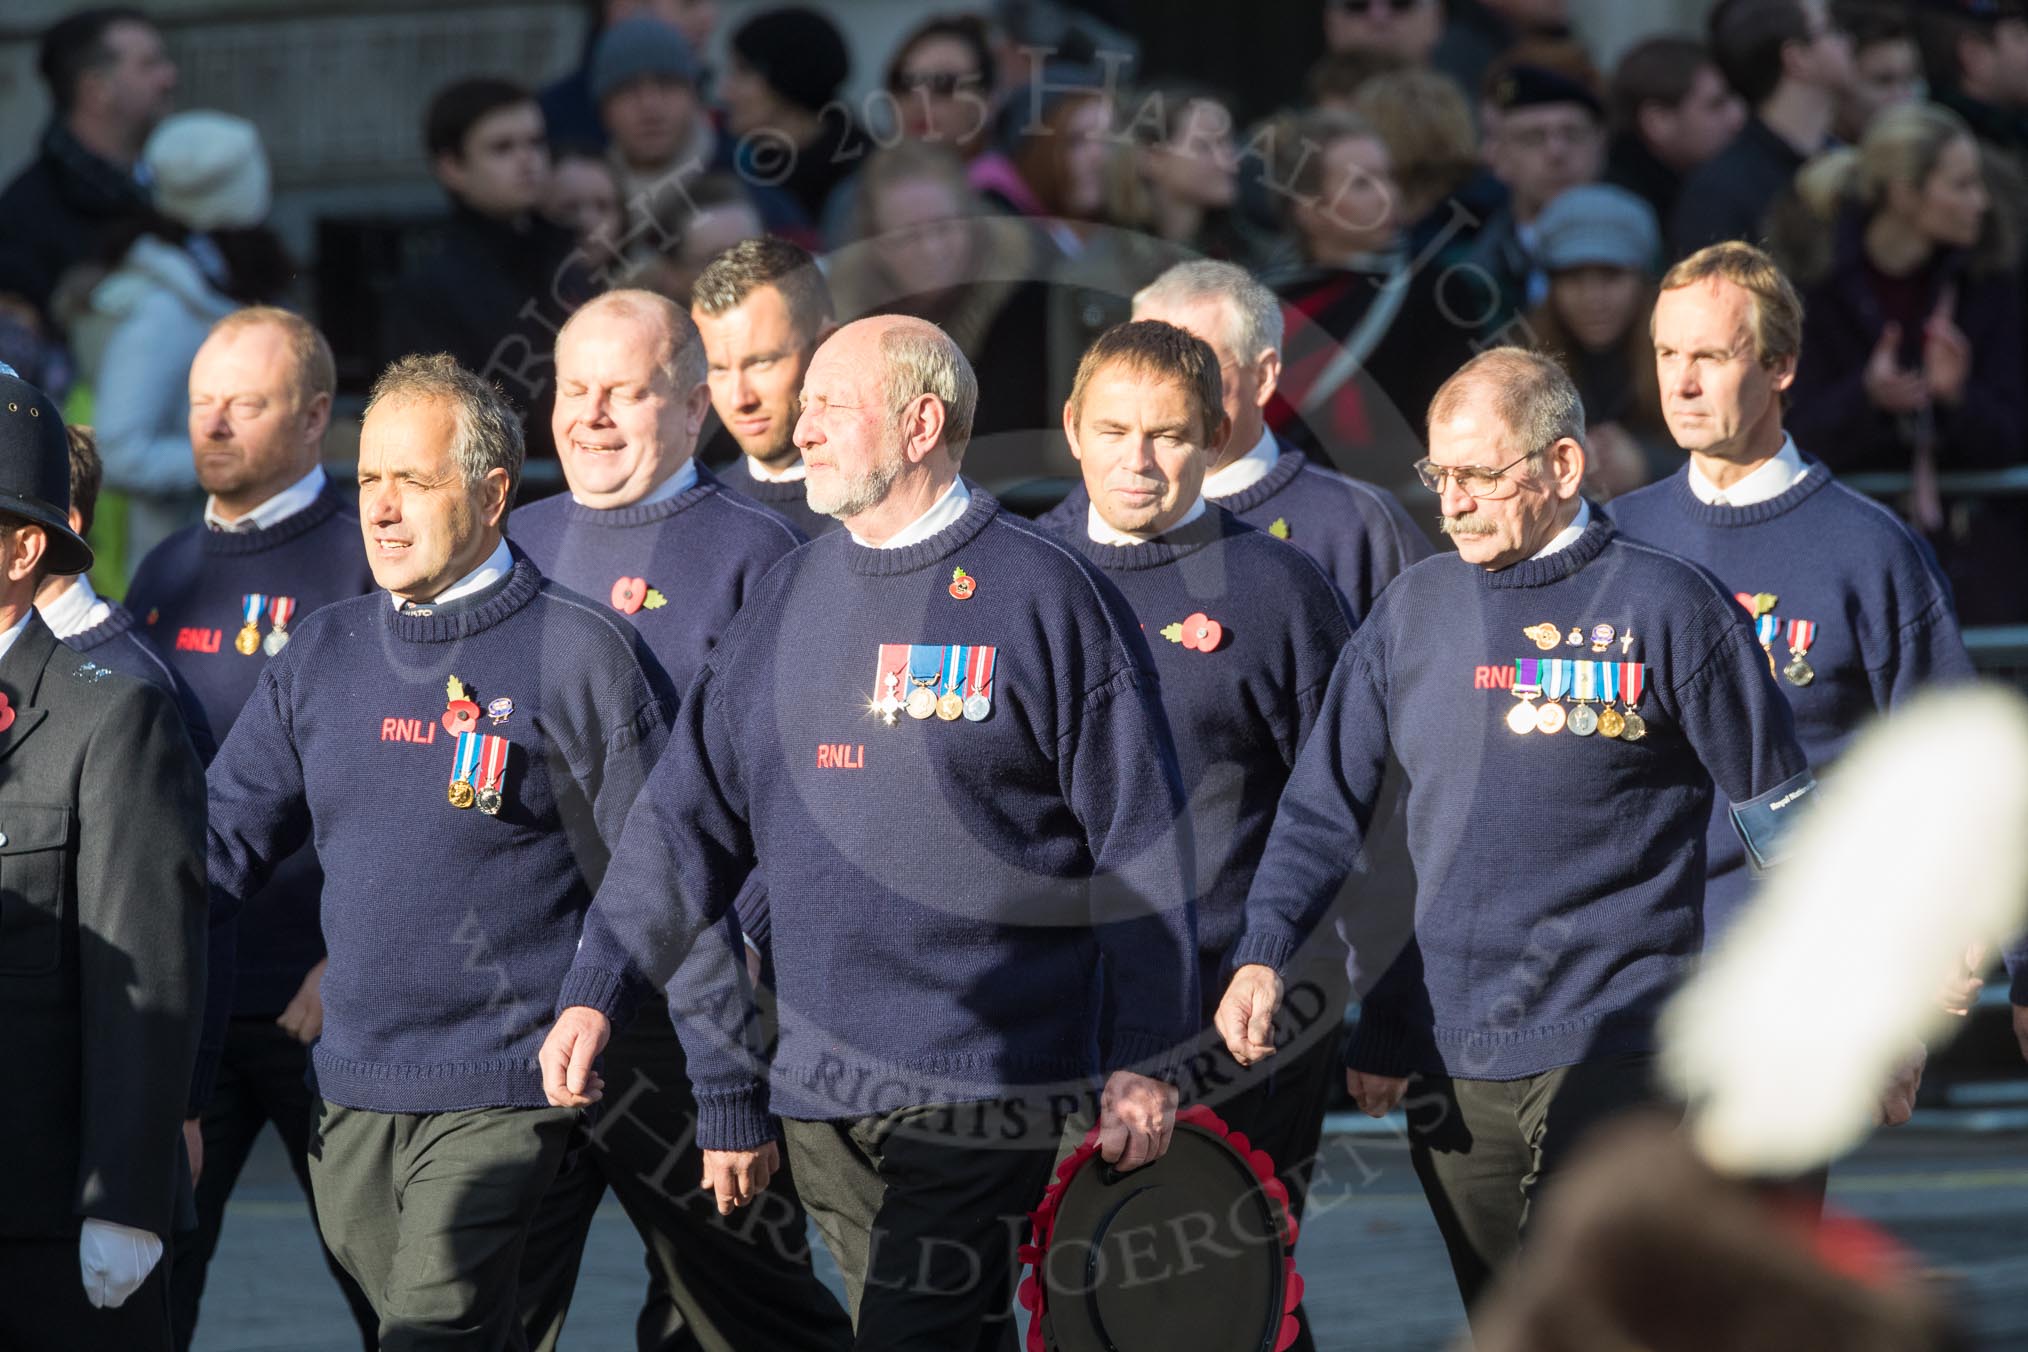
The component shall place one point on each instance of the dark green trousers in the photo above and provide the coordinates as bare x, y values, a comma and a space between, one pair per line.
923, 1209
429, 1212
738, 1283
1484, 1150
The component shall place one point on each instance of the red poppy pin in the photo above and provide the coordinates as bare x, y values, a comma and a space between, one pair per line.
962, 585
1200, 633
633, 594
460, 713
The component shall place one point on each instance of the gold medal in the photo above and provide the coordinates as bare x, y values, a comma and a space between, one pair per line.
1610, 724
1799, 672
1636, 728
461, 794
1551, 719
1521, 718
951, 707
249, 641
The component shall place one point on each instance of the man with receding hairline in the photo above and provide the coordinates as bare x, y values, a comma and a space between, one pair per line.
1562, 701
651, 533
937, 734
219, 599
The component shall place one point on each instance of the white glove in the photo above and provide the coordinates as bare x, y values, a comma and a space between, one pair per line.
115, 1259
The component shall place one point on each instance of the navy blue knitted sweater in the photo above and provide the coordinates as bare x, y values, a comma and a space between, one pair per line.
1241, 692
939, 891
1560, 877
1878, 616
450, 930
787, 499
679, 569
115, 644
190, 594
1358, 533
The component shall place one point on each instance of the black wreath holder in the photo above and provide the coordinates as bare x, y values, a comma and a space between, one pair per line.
1195, 1250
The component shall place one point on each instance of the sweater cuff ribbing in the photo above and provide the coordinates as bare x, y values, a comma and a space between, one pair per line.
735, 1119
1145, 1053
1382, 1046
594, 989
1261, 948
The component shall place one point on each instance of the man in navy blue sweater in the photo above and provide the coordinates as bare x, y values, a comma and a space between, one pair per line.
1847, 602
763, 308
1562, 700
463, 744
938, 735
219, 599
647, 531
1358, 531
104, 630
1245, 631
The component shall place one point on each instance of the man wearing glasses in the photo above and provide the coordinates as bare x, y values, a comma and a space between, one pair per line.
1407, 30
1562, 701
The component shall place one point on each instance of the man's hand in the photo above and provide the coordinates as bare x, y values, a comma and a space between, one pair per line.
113, 1260
303, 1020
1897, 1101
1376, 1095
1961, 988
193, 1146
1889, 387
568, 1079
1137, 1117
738, 1176
1946, 352
1246, 1014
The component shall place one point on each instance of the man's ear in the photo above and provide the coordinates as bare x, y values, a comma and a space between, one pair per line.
1783, 369
1566, 467
1070, 431
1221, 434
317, 421
1270, 367
923, 426
493, 498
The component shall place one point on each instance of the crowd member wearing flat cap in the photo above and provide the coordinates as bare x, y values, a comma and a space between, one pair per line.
219, 599
101, 943
1562, 700
762, 308
780, 94
1545, 134
647, 530
1358, 533
105, 630
462, 744
1245, 631
937, 734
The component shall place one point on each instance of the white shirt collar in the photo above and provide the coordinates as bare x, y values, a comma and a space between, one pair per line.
76, 609
944, 511
761, 474
682, 481
280, 507
1567, 537
1773, 477
1102, 532
1246, 471
7, 639
497, 565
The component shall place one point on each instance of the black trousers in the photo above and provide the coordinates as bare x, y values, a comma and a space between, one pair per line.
264, 1076
430, 1212
1484, 1149
43, 1306
738, 1283
923, 1212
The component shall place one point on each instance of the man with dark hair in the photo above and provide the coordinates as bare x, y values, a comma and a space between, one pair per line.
1976, 55
220, 599
110, 81
763, 308
494, 727
649, 531
1671, 111
952, 839
1548, 676
104, 630
1886, 63
1406, 31
1544, 134
1479, 32
1245, 631
780, 94
1793, 65
501, 277
101, 952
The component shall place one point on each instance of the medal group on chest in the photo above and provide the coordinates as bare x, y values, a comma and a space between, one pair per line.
1770, 628
934, 680
1615, 687
278, 609
478, 760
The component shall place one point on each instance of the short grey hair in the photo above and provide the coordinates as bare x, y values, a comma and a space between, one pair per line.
488, 435
918, 360
683, 359
1532, 396
1253, 315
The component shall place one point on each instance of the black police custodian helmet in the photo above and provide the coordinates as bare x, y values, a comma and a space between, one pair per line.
35, 471
1190, 1252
